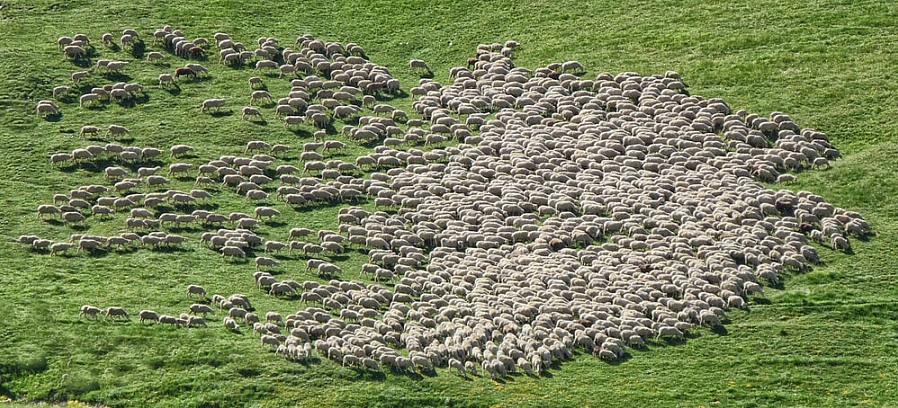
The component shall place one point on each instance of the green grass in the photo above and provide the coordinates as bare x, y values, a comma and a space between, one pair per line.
827, 339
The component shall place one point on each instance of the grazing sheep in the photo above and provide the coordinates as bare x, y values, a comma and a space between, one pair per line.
251, 112
92, 312
150, 315
198, 308
210, 104
261, 94
116, 313
196, 290
155, 57
419, 66
180, 150
230, 324
232, 252
117, 131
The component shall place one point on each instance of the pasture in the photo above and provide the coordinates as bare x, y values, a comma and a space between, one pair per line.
823, 338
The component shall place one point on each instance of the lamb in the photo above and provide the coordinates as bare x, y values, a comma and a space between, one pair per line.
256, 82
74, 52
72, 217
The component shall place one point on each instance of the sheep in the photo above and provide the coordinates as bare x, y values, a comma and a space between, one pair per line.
116, 66
60, 158
88, 130
89, 311
180, 150
175, 169
230, 324
263, 262
60, 248
45, 110
155, 57
232, 252
61, 91
116, 313
196, 290
574, 66
419, 66
256, 82
251, 112
266, 212
117, 131
166, 80
150, 315
210, 104
199, 308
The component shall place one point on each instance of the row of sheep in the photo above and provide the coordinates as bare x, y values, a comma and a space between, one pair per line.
109, 151
93, 243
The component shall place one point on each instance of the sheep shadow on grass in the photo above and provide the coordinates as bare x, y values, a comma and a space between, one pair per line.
134, 101
720, 330
83, 62
118, 77
56, 117
221, 113
300, 132
385, 97
171, 249
138, 49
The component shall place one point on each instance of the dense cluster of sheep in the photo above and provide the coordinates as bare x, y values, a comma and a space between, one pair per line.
593, 214
574, 214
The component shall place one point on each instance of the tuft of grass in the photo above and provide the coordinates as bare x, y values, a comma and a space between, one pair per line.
826, 339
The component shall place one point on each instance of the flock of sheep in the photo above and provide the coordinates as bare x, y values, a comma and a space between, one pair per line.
573, 214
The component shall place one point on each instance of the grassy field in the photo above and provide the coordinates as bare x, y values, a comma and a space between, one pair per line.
827, 339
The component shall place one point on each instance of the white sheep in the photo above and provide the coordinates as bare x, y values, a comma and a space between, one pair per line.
210, 104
